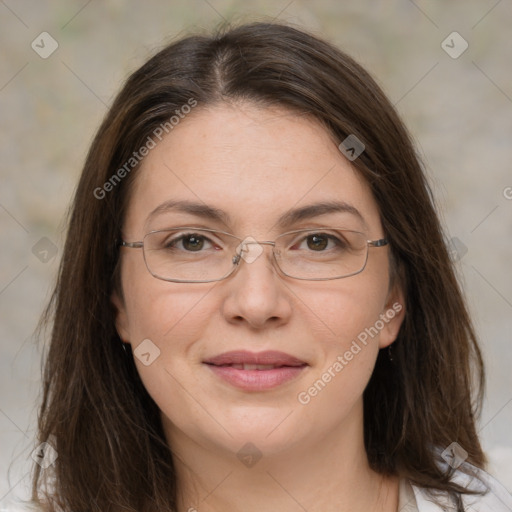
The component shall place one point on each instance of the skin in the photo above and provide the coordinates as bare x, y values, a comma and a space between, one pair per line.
255, 163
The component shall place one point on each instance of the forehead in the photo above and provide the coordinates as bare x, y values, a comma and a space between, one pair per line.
252, 162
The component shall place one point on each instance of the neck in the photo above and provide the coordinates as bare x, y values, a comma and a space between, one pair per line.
328, 474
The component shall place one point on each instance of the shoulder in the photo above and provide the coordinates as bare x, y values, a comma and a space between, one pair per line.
495, 497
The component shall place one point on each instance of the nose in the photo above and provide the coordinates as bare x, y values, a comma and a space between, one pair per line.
256, 294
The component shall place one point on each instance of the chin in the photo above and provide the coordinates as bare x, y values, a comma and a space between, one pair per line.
271, 432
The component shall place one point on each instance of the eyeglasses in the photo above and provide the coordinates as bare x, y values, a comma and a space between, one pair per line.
191, 255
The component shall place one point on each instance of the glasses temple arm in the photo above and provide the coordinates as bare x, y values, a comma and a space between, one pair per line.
131, 245
378, 243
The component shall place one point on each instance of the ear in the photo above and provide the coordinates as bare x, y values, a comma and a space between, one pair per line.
121, 317
392, 316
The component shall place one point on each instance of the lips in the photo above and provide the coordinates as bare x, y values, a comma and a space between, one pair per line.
256, 371
261, 367
255, 361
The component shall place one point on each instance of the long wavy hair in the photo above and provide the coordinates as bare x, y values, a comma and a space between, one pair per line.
95, 411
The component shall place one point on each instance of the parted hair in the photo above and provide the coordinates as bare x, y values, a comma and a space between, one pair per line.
95, 411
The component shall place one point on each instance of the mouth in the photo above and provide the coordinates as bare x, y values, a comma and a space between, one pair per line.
261, 367
256, 371
262, 360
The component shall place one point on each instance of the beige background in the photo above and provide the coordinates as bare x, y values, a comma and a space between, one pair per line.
458, 110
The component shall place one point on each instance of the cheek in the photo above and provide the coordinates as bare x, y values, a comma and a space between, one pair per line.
338, 312
165, 319
158, 309
347, 347
173, 317
342, 320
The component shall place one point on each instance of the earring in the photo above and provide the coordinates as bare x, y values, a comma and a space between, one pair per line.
390, 353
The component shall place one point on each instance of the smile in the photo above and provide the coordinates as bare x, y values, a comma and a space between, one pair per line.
256, 371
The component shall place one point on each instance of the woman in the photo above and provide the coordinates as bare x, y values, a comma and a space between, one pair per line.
255, 308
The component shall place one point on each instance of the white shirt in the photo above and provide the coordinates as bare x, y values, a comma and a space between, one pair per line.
418, 499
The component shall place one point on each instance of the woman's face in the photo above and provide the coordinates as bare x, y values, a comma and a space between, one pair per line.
254, 165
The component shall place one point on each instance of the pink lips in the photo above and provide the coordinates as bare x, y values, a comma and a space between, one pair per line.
256, 371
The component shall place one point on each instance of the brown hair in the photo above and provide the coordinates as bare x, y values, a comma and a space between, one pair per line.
112, 453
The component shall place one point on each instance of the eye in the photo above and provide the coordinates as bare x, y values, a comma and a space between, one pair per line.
190, 242
319, 242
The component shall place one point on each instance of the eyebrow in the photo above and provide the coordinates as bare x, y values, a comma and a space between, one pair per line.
287, 219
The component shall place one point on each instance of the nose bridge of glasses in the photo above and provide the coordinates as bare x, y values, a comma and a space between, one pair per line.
242, 245
249, 249
259, 242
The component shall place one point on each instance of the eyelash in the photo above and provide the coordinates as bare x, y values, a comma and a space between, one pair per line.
171, 244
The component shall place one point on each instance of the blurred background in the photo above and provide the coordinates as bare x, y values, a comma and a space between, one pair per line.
445, 65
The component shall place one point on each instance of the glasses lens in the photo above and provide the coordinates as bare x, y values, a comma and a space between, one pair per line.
189, 254
197, 255
322, 253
